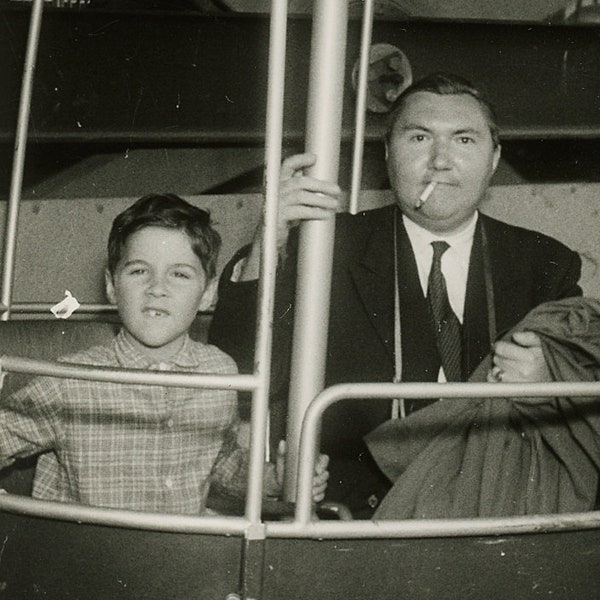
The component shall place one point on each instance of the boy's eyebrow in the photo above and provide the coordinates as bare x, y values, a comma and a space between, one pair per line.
188, 265
135, 261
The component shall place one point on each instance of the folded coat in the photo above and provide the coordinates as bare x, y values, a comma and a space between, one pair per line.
500, 457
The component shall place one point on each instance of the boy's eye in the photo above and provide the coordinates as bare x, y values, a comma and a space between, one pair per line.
181, 275
137, 271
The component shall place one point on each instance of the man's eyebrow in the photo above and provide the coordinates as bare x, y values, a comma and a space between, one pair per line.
461, 131
468, 130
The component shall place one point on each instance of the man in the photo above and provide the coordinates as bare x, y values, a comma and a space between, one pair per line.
442, 149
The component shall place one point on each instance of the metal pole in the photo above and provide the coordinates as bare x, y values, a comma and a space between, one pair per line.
323, 131
16, 183
448, 391
361, 105
18, 364
274, 132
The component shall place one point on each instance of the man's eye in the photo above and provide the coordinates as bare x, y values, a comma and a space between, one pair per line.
138, 271
418, 137
181, 275
465, 139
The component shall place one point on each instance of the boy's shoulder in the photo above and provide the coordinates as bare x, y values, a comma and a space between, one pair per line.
206, 357
212, 359
102, 355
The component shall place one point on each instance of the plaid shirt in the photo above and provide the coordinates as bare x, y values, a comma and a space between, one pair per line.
128, 446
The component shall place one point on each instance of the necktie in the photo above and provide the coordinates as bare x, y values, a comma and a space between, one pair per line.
447, 326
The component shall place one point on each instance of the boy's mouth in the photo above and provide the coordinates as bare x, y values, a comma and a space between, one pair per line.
155, 312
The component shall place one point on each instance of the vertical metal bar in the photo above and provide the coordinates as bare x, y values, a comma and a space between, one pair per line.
361, 105
16, 183
274, 132
323, 130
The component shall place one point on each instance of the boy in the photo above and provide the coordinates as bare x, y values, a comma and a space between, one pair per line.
136, 446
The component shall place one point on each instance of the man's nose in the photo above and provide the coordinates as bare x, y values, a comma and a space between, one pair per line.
441, 158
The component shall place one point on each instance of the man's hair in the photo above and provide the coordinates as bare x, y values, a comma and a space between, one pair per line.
445, 84
171, 212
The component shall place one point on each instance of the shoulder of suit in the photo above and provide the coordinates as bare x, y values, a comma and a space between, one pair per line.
502, 231
366, 218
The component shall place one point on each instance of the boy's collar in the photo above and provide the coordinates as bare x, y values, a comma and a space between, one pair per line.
130, 357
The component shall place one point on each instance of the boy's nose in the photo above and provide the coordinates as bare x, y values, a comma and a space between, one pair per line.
157, 287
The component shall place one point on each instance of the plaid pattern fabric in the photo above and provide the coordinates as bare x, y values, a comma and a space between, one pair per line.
127, 446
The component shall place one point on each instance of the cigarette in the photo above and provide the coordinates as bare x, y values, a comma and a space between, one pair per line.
426, 193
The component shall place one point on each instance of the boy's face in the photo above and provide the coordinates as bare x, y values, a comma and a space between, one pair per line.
158, 286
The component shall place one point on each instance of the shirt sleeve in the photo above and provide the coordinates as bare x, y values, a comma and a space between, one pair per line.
229, 475
29, 422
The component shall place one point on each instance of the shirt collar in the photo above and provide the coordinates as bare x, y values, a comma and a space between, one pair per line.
129, 357
424, 237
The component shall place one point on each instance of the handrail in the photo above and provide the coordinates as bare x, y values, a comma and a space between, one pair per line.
313, 287
361, 105
16, 182
48, 368
268, 265
129, 519
44, 307
303, 526
448, 391
434, 528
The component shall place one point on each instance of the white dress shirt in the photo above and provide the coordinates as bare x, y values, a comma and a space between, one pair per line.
455, 261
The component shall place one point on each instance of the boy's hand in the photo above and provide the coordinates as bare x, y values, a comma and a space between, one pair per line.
320, 477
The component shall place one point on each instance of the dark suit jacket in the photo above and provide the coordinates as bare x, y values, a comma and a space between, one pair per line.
528, 268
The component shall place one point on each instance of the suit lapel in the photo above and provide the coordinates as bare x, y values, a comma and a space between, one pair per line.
420, 356
475, 333
373, 278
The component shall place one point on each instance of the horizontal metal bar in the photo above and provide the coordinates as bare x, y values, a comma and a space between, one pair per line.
429, 528
44, 307
129, 519
448, 391
142, 377
218, 525
257, 138
338, 392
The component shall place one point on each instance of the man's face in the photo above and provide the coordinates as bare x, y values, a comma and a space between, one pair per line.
445, 139
158, 285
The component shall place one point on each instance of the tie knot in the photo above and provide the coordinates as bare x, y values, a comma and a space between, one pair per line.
438, 249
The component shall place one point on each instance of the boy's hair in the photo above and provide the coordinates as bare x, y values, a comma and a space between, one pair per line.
171, 212
445, 84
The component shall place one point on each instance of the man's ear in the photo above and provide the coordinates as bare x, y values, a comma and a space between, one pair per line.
209, 297
496, 159
109, 287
